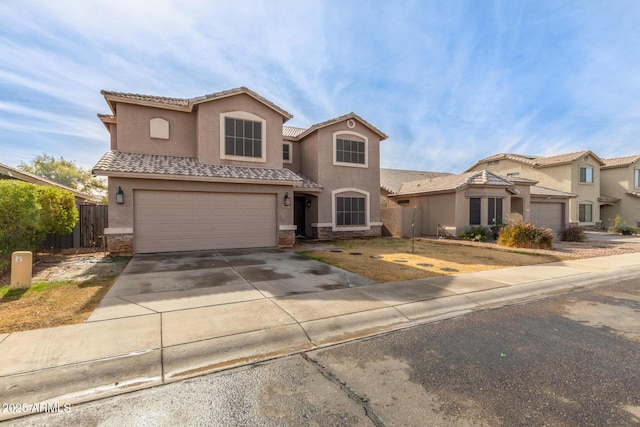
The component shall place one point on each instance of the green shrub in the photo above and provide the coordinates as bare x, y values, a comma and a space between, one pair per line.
526, 236
477, 234
626, 229
28, 213
572, 234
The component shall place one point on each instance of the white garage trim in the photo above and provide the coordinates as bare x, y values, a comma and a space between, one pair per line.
167, 221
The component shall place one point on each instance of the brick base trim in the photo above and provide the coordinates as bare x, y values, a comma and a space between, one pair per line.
120, 244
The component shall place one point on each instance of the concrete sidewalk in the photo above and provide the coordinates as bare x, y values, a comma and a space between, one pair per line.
136, 339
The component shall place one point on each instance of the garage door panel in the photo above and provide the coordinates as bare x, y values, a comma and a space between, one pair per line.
549, 215
173, 221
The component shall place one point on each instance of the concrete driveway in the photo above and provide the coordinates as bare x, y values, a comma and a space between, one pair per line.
158, 283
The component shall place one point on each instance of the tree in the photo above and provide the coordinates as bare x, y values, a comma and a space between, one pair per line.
63, 172
28, 213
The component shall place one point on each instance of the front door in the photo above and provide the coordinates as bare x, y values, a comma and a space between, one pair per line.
299, 220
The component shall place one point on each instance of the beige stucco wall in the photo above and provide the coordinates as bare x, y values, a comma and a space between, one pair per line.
334, 177
209, 128
617, 182
133, 131
121, 216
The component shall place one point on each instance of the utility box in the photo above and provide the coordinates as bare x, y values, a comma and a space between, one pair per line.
21, 269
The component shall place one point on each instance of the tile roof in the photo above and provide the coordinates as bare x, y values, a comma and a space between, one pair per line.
617, 162
634, 194
340, 119
291, 132
549, 192
185, 104
115, 163
392, 179
308, 183
455, 182
565, 158
605, 198
537, 161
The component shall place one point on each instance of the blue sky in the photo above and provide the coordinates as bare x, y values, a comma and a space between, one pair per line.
450, 82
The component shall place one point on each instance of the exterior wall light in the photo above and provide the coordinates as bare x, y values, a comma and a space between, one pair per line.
308, 203
120, 196
287, 200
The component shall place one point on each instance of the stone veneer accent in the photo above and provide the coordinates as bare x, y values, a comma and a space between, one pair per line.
327, 233
119, 241
286, 238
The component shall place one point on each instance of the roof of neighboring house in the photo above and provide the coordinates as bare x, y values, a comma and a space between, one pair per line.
392, 179
326, 123
520, 180
291, 132
605, 198
456, 183
181, 104
618, 162
153, 166
634, 194
13, 173
538, 161
537, 191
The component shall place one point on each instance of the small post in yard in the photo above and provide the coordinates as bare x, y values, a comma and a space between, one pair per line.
413, 231
21, 268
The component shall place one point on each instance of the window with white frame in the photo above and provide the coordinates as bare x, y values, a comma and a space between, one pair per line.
350, 149
242, 137
586, 174
637, 178
585, 212
351, 211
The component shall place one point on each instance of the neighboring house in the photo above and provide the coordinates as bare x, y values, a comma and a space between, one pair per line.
221, 171
449, 204
620, 179
574, 173
8, 172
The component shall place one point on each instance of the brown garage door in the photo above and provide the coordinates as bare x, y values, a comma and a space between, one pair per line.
181, 221
548, 215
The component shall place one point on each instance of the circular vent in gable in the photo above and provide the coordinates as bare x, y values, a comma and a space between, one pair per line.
351, 124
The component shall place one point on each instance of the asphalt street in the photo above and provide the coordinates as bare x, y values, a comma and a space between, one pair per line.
571, 359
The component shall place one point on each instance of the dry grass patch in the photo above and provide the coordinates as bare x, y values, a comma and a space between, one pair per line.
66, 288
391, 259
49, 304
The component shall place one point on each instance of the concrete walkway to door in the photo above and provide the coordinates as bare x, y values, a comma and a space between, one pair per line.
177, 315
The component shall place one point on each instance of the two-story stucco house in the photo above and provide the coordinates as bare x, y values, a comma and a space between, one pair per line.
575, 173
620, 179
221, 171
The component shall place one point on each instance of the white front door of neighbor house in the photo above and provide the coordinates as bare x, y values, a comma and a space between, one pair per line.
166, 221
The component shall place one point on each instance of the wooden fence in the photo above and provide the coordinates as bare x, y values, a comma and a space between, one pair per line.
88, 232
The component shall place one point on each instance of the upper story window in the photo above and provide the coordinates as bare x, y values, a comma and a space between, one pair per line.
637, 178
350, 149
586, 174
286, 152
243, 137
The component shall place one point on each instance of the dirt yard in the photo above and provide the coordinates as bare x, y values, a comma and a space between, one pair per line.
390, 259
65, 289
